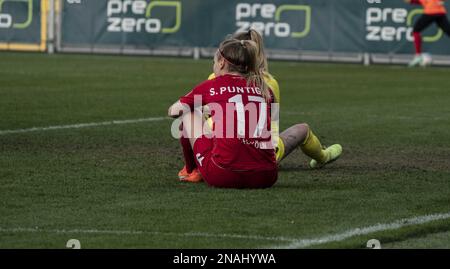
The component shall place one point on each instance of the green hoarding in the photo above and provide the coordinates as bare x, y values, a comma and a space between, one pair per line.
328, 26
22, 24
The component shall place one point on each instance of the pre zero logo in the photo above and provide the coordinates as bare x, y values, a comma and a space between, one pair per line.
134, 16
270, 20
393, 24
7, 21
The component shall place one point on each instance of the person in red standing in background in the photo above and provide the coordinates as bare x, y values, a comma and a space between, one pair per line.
434, 11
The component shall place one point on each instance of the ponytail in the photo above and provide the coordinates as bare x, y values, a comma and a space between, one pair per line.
242, 57
255, 75
254, 36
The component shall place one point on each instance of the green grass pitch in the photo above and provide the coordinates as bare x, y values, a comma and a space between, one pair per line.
116, 186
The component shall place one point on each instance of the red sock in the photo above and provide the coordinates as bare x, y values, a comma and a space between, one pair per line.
188, 154
417, 42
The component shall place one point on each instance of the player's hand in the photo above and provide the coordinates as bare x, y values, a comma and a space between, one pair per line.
175, 110
407, 1
206, 111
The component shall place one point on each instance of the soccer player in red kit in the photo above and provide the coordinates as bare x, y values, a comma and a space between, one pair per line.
237, 152
434, 12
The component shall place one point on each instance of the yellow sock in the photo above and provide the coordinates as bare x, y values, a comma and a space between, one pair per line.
312, 148
279, 150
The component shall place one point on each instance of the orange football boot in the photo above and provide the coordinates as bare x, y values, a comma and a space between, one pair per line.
183, 173
193, 177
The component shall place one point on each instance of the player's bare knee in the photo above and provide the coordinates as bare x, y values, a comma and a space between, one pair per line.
302, 130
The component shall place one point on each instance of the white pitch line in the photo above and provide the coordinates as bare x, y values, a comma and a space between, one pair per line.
81, 125
304, 243
293, 243
124, 232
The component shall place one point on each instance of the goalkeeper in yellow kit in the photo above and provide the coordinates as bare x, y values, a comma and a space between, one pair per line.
299, 135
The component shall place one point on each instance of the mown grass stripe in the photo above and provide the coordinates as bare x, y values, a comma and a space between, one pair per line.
292, 243
125, 232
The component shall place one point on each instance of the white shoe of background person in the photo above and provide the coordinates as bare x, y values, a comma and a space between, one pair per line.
417, 60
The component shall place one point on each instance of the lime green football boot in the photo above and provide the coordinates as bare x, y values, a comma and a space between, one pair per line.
333, 152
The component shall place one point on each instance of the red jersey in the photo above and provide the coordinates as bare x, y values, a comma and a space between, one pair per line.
241, 116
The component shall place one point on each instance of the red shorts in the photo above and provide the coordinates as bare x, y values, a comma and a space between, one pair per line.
217, 176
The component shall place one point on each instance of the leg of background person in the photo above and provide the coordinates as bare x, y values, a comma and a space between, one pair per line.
444, 24
417, 42
300, 135
423, 22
